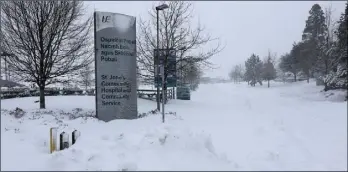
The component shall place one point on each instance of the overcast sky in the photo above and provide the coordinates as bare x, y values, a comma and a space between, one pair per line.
244, 27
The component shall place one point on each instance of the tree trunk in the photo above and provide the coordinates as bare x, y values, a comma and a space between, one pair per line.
295, 77
268, 83
42, 98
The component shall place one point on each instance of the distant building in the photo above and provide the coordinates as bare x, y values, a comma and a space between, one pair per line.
210, 80
6, 83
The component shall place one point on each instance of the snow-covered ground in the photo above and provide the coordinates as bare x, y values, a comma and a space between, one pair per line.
223, 127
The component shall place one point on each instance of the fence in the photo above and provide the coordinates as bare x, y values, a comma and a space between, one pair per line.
24, 92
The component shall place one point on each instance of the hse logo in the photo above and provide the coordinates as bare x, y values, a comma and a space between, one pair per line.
106, 19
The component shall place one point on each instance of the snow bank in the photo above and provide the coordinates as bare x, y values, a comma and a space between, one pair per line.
143, 144
309, 91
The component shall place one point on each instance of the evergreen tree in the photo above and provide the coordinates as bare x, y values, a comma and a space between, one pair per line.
306, 53
290, 63
313, 39
268, 71
315, 24
253, 67
337, 78
342, 34
327, 50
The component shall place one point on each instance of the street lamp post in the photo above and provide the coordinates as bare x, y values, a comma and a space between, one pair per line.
158, 8
181, 70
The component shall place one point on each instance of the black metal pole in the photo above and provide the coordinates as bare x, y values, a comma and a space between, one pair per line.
6, 74
95, 64
181, 71
156, 66
9, 71
163, 93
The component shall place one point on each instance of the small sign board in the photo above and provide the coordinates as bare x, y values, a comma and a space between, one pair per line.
170, 68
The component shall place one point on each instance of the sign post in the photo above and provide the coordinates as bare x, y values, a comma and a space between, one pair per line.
115, 66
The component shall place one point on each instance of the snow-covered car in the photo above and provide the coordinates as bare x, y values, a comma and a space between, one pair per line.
183, 93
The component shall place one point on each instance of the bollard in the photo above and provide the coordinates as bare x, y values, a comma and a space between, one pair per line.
53, 139
63, 141
75, 134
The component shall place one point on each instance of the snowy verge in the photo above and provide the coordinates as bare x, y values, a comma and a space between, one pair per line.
307, 91
142, 144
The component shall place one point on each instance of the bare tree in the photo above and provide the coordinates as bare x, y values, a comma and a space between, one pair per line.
176, 33
191, 75
48, 40
232, 75
236, 74
85, 76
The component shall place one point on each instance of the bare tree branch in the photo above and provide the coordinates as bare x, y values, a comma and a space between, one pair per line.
48, 39
175, 32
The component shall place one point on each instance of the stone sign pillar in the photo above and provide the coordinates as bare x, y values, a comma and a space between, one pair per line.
115, 66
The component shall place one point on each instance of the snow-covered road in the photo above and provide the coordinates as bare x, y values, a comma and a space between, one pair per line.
223, 127
285, 127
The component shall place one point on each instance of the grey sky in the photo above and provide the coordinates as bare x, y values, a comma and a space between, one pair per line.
244, 27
